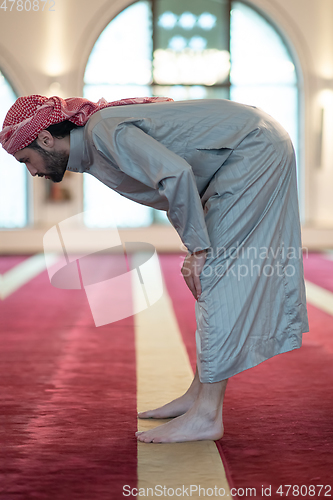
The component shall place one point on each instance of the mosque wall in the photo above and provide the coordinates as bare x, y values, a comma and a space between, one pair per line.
46, 52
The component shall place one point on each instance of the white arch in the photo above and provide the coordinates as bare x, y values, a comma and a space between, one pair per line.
13, 72
93, 30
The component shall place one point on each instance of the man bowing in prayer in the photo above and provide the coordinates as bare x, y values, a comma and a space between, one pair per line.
225, 174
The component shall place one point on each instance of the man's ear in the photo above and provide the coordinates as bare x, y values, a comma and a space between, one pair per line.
45, 140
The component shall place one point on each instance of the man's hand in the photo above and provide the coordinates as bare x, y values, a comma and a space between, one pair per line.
191, 271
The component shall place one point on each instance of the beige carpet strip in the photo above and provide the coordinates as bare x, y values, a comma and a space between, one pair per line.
328, 254
319, 297
164, 373
19, 275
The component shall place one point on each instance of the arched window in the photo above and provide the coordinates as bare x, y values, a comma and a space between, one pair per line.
188, 49
13, 178
263, 72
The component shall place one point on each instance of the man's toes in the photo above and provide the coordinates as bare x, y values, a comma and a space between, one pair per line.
158, 440
145, 414
145, 439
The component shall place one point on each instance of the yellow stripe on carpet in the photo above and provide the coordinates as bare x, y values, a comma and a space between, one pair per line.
19, 275
319, 297
328, 254
163, 374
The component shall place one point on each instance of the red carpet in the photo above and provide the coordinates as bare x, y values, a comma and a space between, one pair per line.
319, 270
68, 397
9, 261
278, 415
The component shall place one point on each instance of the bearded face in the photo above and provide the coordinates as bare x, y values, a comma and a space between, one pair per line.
55, 164
49, 164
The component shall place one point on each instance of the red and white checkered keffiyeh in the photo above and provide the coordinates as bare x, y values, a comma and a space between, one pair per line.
31, 114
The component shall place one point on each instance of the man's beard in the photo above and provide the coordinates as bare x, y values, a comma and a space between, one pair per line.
55, 164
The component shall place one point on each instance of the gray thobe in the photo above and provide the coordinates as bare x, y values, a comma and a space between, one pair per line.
226, 175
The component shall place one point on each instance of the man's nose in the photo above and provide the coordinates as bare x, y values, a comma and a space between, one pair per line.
32, 170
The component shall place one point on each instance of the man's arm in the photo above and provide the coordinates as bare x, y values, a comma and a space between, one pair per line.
143, 158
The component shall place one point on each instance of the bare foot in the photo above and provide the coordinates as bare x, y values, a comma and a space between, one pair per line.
202, 421
178, 406
194, 425
175, 408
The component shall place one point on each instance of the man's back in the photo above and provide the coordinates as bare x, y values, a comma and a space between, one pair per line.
208, 123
